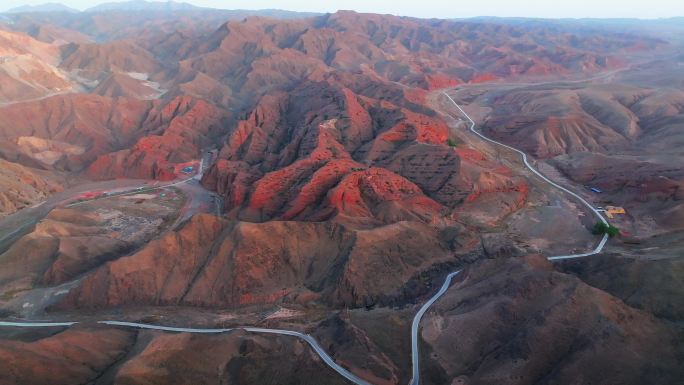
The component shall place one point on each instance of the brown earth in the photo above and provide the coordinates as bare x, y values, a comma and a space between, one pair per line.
517, 321
214, 263
54, 34
73, 241
621, 137
64, 358
651, 285
98, 354
21, 187
118, 56
118, 85
28, 69
547, 121
87, 131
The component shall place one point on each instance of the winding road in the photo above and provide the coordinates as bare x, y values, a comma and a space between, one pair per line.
327, 359
304, 337
415, 356
584, 202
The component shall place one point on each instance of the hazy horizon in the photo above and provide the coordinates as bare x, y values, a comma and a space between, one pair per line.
434, 8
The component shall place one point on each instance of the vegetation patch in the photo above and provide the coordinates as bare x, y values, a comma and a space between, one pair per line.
602, 228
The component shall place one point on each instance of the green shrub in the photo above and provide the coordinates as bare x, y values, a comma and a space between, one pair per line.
451, 142
602, 228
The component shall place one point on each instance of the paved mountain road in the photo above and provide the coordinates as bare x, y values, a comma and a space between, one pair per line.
601, 244
415, 356
305, 337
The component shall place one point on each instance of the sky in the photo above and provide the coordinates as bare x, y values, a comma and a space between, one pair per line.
440, 8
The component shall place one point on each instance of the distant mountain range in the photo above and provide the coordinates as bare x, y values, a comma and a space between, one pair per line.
133, 5
142, 5
675, 20
173, 6
47, 7
151, 6
669, 26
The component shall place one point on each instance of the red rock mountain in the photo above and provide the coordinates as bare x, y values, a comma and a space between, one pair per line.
236, 65
73, 131
347, 193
